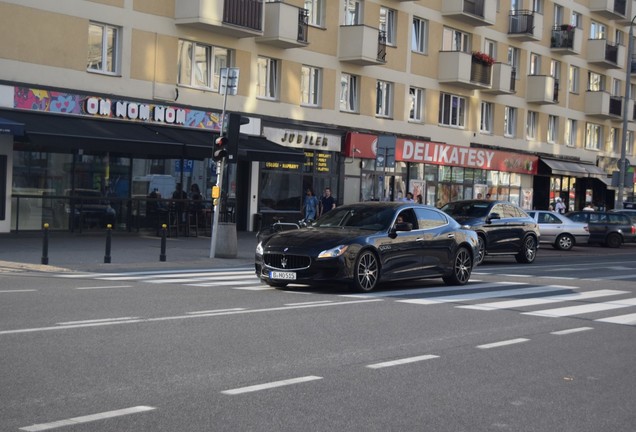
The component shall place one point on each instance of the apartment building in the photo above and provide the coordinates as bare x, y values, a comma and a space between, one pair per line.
522, 99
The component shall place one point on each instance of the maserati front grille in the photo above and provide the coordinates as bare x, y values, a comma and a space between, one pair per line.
286, 262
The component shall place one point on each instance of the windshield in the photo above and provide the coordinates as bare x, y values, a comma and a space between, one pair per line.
373, 219
466, 209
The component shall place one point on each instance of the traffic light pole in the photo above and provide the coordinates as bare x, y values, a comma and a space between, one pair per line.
220, 168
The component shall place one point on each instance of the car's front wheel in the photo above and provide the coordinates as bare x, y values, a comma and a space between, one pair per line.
564, 242
366, 273
462, 268
528, 251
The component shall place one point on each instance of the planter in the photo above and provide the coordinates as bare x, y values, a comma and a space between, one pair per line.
480, 73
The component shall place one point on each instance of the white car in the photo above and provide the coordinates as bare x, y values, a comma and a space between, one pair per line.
559, 231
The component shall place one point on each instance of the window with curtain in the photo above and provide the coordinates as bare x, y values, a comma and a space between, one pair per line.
103, 48
267, 78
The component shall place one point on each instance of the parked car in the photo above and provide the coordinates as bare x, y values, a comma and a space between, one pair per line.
503, 228
560, 231
607, 228
629, 212
368, 243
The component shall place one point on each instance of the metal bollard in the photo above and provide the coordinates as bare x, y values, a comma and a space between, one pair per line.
45, 245
109, 230
162, 256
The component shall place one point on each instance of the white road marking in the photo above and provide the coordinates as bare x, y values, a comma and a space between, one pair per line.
271, 385
308, 303
215, 311
180, 317
191, 275
104, 320
17, 291
570, 331
146, 273
513, 304
103, 287
260, 287
517, 275
629, 319
214, 280
502, 343
583, 309
87, 419
415, 291
402, 361
480, 295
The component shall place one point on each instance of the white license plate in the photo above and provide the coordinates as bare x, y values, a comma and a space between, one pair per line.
282, 275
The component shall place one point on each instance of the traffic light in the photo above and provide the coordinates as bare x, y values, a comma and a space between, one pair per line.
220, 149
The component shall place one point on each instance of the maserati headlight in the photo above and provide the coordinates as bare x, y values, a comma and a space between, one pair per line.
259, 248
333, 252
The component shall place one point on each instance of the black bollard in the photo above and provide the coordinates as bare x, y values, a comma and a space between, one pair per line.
108, 240
45, 244
162, 256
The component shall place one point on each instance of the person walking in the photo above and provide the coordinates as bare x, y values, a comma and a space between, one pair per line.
559, 206
310, 206
327, 202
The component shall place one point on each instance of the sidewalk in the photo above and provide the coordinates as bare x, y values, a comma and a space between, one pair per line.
129, 252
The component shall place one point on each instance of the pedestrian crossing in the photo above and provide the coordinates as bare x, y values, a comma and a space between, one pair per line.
524, 297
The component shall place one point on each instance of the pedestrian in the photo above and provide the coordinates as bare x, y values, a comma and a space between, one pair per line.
180, 198
559, 206
327, 202
479, 196
488, 196
588, 207
419, 199
310, 206
408, 197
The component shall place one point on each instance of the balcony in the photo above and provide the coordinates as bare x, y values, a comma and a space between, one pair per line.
632, 65
566, 39
542, 89
603, 105
236, 18
503, 79
472, 12
525, 25
279, 29
461, 69
605, 54
362, 45
610, 9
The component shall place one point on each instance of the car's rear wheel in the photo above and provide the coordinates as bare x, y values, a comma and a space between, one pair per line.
366, 272
564, 242
614, 240
462, 268
528, 251
481, 250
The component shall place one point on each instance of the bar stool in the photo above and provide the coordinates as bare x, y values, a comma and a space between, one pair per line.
193, 223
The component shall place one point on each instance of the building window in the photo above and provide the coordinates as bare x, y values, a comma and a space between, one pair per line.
555, 69
616, 87
384, 98
487, 114
535, 64
267, 78
593, 136
310, 84
531, 126
615, 140
416, 101
352, 12
574, 79
200, 65
452, 110
553, 128
103, 48
576, 20
570, 133
598, 30
387, 24
629, 148
558, 15
455, 40
490, 48
349, 93
513, 59
595, 82
510, 121
315, 12
419, 35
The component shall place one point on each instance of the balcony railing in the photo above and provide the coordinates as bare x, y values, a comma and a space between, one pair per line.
303, 25
611, 53
474, 7
562, 37
616, 106
382, 46
244, 13
521, 22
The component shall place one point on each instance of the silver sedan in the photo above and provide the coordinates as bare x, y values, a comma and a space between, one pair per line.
559, 231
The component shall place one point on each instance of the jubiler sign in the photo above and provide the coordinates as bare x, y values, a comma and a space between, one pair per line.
445, 154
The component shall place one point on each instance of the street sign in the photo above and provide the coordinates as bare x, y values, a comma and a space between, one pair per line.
622, 162
229, 81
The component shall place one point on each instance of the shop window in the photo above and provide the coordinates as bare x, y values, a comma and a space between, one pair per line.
280, 191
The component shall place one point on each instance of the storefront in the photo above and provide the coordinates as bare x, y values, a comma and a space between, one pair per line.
390, 166
109, 149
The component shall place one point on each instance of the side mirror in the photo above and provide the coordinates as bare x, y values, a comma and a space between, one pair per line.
492, 216
400, 226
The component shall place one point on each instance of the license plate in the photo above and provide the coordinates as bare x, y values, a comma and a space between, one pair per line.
282, 275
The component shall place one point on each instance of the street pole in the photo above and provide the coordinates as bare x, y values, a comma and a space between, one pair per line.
220, 165
628, 84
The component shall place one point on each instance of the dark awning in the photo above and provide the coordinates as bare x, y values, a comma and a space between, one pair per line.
573, 169
11, 127
66, 133
255, 148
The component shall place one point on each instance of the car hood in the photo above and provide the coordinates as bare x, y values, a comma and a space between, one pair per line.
317, 237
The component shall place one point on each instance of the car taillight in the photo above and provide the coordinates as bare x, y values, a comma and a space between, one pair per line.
633, 229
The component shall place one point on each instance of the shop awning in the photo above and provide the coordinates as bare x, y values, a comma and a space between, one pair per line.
573, 169
66, 133
11, 127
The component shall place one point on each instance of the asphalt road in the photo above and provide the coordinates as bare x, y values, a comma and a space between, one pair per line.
217, 351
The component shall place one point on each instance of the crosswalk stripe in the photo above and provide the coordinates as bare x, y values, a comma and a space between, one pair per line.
512, 304
629, 319
583, 309
468, 287
481, 295
171, 276
233, 279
